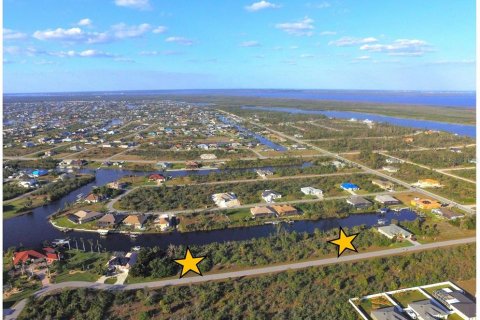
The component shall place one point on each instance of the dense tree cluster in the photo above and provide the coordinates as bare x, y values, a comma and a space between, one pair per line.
313, 293
60, 188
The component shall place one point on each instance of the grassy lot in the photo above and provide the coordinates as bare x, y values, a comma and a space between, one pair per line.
239, 214
430, 290
82, 266
111, 280
64, 222
13, 208
465, 173
406, 297
368, 305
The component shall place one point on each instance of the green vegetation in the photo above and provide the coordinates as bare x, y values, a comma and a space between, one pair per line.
313, 293
58, 189
466, 173
43, 163
438, 158
198, 196
153, 152
12, 190
406, 297
80, 266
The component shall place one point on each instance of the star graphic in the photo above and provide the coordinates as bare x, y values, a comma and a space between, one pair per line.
189, 263
344, 242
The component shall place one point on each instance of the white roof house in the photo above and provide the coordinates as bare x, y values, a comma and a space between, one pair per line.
270, 195
312, 191
225, 200
393, 230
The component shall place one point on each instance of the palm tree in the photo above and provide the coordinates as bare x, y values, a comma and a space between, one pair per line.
90, 241
81, 240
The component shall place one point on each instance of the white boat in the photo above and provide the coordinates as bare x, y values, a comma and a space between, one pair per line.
133, 236
103, 232
136, 248
381, 221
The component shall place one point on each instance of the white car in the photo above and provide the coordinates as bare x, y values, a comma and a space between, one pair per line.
411, 314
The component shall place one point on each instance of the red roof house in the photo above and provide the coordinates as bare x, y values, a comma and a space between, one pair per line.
156, 177
27, 255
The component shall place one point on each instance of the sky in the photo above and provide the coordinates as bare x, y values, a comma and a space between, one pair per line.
106, 45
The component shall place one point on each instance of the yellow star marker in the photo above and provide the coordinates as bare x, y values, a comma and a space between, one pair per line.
189, 263
344, 242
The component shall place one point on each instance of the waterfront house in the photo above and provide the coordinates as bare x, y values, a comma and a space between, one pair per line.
426, 204
264, 172
348, 186
311, 191
285, 210
109, 220
427, 309
28, 256
117, 185
122, 262
358, 202
270, 195
135, 220
262, 212
162, 222
457, 301
83, 216
208, 156
225, 200
447, 213
386, 199
394, 231
94, 198
192, 165
156, 177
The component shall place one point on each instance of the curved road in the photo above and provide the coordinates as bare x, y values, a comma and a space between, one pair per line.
237, 274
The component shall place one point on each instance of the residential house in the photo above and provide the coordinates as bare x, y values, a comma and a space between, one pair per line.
447, 213
390, 169
51, 255
262, 212
426, 204
270, 195
83, 216
39, 172
349, 186
109, 220
122, 262
386, 199
117, 185
158, 178
285, 210
338, 164
162, 222
358, 202
28, 256
94, 198
225, 200
428, 183
264, 172
192, 165
393, 160
457, 301
394, 231
427, 310
384, 184
135, 220
311, 191
28, 183
208, 156
389, 313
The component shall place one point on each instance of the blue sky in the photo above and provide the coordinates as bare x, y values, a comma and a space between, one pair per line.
91, 45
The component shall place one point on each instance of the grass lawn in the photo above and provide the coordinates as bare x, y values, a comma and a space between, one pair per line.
10, 301
64, 222
406, 297
431, 289
11, 209
368, 305
111, 280
82, 266
240, 214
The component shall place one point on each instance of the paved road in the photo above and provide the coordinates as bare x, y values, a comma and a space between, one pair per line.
242, 273
365, 168
429, 168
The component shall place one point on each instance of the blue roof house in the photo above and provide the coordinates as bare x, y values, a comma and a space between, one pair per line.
39, 172
349, 186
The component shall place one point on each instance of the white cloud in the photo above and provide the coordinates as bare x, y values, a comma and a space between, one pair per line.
90, 53
328, 33
84, 22
158, 53
117, 32
9, 34
306, 55
362, 58
303, 27
400, 47
72, 34
453, 62
135, 4
350, 41
180, 40
321, 5
260, 5
250, 44
13, 50
160, 29
122, 31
